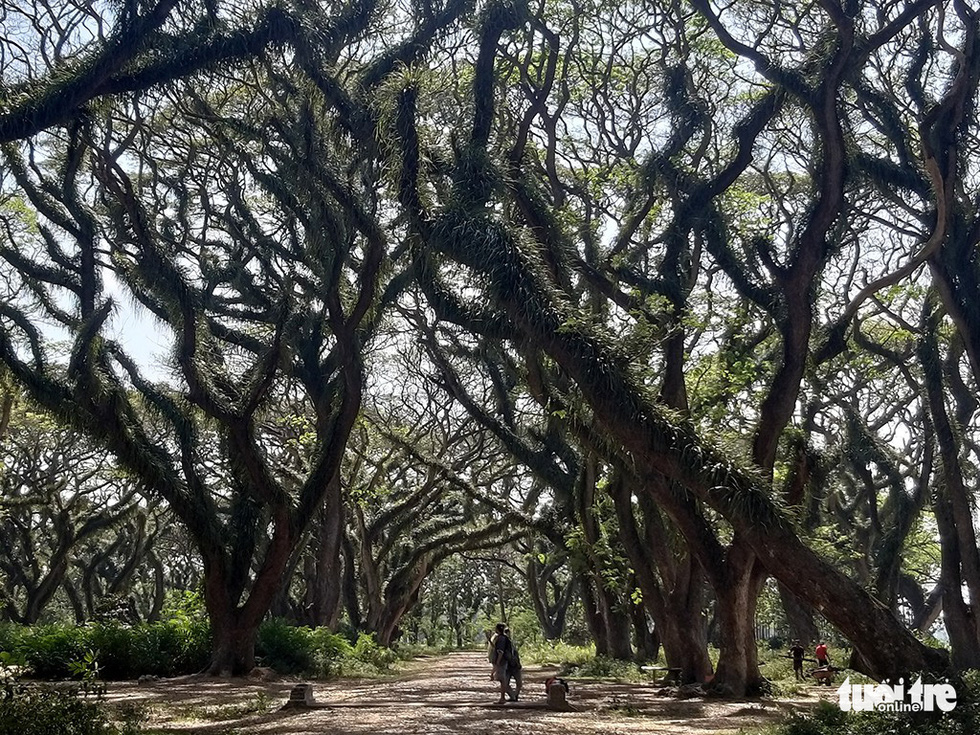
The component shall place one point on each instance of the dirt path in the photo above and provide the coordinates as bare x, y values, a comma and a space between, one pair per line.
447, 694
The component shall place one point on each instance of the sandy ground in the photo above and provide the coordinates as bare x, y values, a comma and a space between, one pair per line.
446, 694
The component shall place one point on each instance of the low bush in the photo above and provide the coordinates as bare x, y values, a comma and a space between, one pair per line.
291, 649
330, 650
49, 650
167, 648
177, 646
180, 645
288, 649
580, 661
33, 710
367, 650
602, 667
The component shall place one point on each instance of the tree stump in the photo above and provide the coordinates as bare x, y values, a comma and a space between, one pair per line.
557, 698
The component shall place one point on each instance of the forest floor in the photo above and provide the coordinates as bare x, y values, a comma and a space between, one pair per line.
444, 694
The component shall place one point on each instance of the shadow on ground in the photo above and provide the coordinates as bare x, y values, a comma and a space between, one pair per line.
447, 694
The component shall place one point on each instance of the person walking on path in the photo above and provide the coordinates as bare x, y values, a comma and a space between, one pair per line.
514, 668
797, 651
503, 664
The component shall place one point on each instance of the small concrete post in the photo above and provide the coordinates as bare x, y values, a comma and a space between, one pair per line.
300, 696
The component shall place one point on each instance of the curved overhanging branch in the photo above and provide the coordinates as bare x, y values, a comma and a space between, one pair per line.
929, 247
941, 121
131, 63
59, 100
506, 512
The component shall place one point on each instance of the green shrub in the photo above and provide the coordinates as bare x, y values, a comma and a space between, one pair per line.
117, 650
329, 651
49, 711
178, 646
601, 667
183, 637
286, 648
120, 651
826, 718
11, 636
556, 652
291, 649
367, 650
49, 650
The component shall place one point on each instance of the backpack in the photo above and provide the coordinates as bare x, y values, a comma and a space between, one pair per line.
492, 649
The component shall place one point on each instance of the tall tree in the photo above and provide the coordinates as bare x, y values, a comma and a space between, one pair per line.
522, 275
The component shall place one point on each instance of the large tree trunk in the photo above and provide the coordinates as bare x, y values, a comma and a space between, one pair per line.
370, 576
735, 606
235, 623
538, 592
957, 615
232, 644
159, 589
41, 594
6, 408
955, 275
401, 594
324, 588
75, 600
617, 624
932, 607
954, 515
685, 648
551, 615
678, 611
610, 625
593, 617
645, 641
682, 621
351, 603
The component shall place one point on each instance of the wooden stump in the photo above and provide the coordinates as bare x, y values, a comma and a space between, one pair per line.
556, 698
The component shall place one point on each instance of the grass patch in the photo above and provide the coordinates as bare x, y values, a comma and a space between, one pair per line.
625, 707
256, 705
607, 669
556, 653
